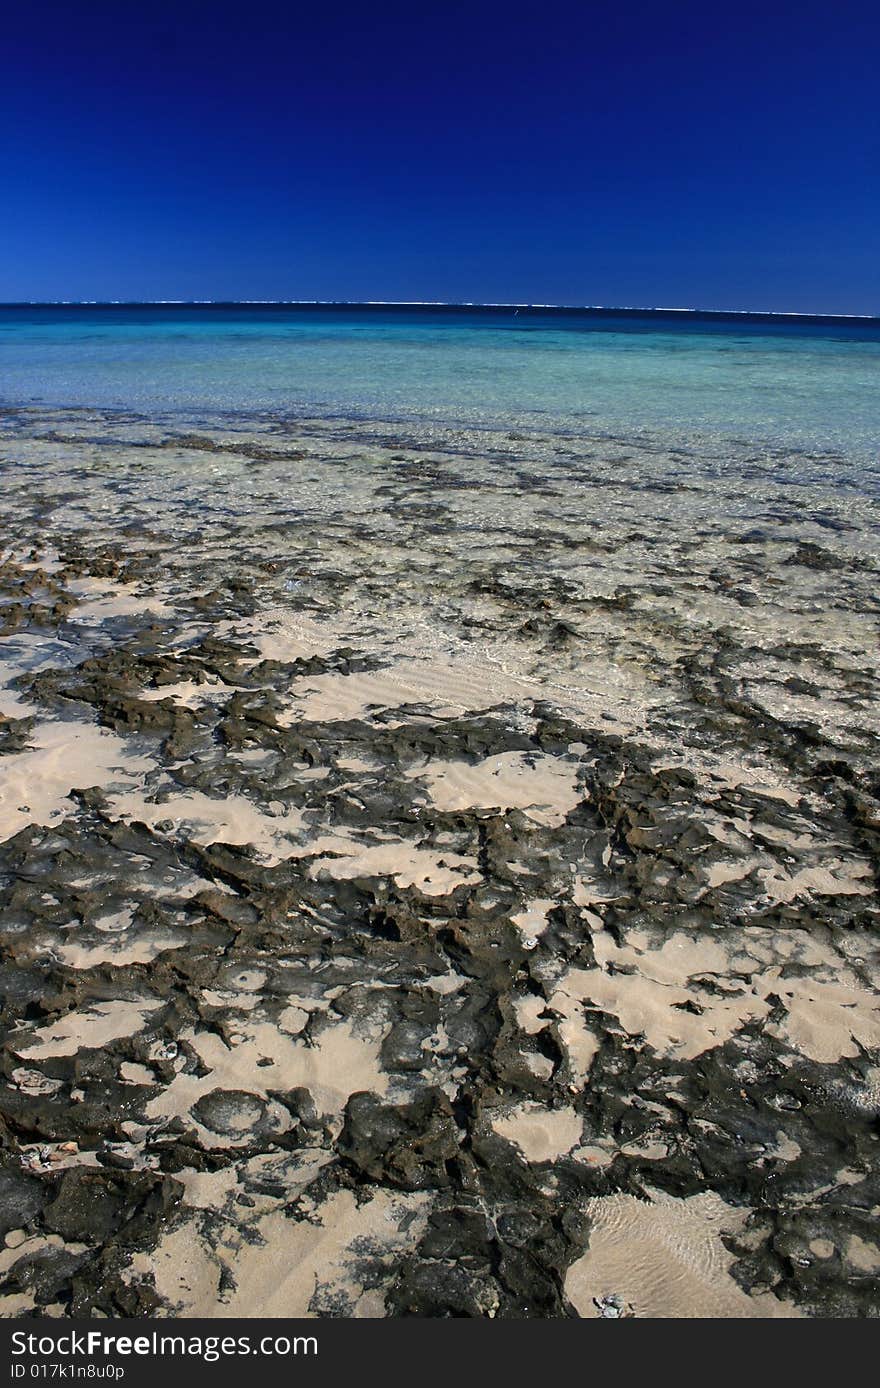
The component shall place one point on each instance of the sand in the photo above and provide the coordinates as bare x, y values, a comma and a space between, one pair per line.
545, 787
525, 787
206, 820
726, 982
35, 785
664, 1257
87, 1030
539, 1133
287, 1266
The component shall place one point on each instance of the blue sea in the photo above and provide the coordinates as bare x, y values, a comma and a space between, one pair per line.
702, 383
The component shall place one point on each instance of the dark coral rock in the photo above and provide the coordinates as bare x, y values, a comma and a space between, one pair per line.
412, 1146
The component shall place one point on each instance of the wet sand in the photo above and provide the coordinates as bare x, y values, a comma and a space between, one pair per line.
438, 877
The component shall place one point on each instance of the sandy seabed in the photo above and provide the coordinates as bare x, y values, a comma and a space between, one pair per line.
438, 876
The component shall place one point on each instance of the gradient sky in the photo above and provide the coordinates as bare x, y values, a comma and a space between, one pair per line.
683, 154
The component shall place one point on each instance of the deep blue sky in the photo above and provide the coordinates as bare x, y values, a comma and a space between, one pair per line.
689, 153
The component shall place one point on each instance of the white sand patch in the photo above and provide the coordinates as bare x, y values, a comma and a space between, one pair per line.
339, 1063
35, 785
595, 1154
838, 878
821, 1248
205, 820
14, 705
544, 786
286, 1264
218, 1190
445, 983
17, 1303
435, 873
115, 952
133, 1073
664, 1258
863, 1256
826, 1021
208, 1190
719, 874
541, 1066
586, 893
541, 1134
529, 1012
98, 600
293, 1019
355, 764
85, 1030
225, 997
184, 1272
650, 1001
186, 694
532, 922
28, 652
34, 1081
581, 1044
690, 995
280, 1278
285, 636
448, 686
115, 922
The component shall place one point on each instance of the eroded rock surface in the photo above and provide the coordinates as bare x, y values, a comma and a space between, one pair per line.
438, 877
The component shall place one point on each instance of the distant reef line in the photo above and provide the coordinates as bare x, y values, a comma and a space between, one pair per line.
409, 306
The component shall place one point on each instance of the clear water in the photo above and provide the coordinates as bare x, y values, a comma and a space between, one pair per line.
800, 387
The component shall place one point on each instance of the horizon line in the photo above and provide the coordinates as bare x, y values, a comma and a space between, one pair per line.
431, 303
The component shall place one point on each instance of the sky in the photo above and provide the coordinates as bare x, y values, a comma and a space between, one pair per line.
674, 153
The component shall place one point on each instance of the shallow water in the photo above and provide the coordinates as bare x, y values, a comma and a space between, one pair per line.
702, 385
422, 798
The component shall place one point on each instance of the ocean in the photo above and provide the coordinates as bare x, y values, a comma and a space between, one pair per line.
717, 386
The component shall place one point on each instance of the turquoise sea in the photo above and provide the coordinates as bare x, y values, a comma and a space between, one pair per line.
716, 385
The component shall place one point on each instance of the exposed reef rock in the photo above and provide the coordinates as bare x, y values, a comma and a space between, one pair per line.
430, 871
